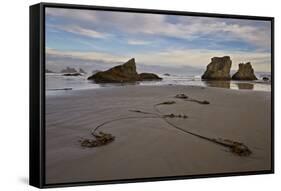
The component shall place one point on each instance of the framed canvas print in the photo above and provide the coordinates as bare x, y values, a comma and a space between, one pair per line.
126, 95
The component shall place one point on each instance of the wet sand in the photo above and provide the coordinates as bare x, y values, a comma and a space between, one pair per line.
150, 147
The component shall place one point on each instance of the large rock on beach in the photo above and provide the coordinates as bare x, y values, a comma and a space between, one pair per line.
218, 69
245, 72
149, 76
122, 73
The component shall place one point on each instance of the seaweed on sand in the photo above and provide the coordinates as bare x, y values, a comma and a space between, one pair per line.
186, 98
236, 147
100, 139
167, 103
181, 96
175, 116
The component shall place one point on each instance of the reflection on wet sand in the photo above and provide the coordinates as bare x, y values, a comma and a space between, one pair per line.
245, 86
117, 84
219, 84
230, 85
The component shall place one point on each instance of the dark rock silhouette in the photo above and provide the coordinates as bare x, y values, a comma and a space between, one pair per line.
218, 69
72, 74
122, 73
49, 71
265, 78
149, 76
69, 70
245, 72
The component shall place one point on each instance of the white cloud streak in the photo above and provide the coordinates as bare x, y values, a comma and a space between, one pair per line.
138, 42
75, 29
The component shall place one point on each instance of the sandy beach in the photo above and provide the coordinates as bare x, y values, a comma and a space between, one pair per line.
150, 147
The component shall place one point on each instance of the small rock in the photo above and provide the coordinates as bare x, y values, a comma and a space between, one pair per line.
181, 96
72, 74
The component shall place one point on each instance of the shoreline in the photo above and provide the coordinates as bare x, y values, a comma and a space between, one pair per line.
150, 147
241, 86
59, 83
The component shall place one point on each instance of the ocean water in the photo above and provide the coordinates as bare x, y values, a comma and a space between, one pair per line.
56, 83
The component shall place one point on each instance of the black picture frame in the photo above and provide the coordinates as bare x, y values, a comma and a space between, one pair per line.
37, 94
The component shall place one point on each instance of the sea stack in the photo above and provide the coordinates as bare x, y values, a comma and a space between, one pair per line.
218, 69
245, 72
122, 73
49, 71
148, 76
69, 70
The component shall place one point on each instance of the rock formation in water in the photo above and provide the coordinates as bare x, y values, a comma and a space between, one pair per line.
122, 73
245, 72
149, 76
69, 70
81, 71
265, 78
72, 74
218, 69
49, 71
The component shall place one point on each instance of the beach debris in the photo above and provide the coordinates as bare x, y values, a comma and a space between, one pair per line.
198, 101
175, 116
139, 111
100, 139
186, 98
235, 147
204, 102
181, 96
166, 103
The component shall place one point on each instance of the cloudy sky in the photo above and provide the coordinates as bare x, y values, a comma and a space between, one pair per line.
100, 39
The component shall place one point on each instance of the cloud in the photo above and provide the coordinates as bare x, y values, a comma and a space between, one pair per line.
256, 33
87, 56
73, 14
138, 42
75, 29
161, 40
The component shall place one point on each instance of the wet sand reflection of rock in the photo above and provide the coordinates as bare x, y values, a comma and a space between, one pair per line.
245, 86
219, 84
